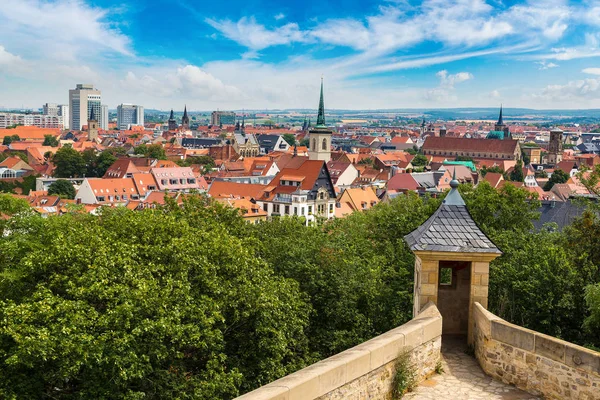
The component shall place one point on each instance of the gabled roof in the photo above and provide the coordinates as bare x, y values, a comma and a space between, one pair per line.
447, 143
451, 229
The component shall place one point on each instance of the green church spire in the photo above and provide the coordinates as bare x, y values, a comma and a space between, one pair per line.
321, 116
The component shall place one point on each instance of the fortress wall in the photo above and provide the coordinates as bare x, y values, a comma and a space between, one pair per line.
364, 371
537, 363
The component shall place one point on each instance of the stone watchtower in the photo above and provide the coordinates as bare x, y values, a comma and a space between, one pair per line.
555, 146
452, 264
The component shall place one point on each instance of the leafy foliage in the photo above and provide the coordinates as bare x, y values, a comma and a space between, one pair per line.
151, 151
419, 160
9, 139
558, 176
69, 163
63, 188
50, 140
290, 138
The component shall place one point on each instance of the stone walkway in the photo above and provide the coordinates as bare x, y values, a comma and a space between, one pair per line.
463, 378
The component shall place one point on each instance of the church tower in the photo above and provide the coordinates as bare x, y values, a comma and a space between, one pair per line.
172, 122
185, 120
501, 126
320, 136
92, 126
555, 146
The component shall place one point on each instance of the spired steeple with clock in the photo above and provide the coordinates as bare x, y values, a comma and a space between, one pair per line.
320, 135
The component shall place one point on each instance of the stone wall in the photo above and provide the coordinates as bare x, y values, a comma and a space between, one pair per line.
537, 363
364, 371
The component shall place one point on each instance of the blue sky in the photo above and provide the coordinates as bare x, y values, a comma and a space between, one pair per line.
258, 54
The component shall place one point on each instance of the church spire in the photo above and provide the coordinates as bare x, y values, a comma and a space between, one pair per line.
185, 111
172, 116
92, 115
500, 121
321, 115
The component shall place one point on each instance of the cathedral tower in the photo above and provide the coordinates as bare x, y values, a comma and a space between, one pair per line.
92, 126
320, 135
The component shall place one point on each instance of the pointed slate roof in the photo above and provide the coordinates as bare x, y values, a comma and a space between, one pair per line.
500, 121
451, 229
92, 115
172, 117
321, 114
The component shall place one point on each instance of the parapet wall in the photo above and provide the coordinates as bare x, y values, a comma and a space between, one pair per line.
537, 363
364, 371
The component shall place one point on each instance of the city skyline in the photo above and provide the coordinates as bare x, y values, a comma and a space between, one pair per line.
265, 55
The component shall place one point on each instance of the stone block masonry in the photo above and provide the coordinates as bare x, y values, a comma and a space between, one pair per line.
367, 370
537, 363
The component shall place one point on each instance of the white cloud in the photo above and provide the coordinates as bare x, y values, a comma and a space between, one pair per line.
494, 94
60, 29
448, 80
8, 59
445, 90
279, 16
187, 83
543, 65
254, 36
591, 71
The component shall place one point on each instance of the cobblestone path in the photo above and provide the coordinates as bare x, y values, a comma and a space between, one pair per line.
463, 379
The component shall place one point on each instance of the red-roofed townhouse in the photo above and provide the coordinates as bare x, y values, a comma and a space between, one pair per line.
180, 179
107, 191
305, 190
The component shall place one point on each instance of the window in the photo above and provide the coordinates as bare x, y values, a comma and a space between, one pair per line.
276, 208
446, 276
309, 210
287, 210
100, 198
295, 210
331, 209
314, 146
324, 145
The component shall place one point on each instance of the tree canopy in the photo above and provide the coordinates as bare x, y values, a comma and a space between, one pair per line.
69, 163
63, 188
50, 140
151, 151
558, 176
189, 301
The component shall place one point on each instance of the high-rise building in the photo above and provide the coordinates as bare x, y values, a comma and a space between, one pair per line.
63, 111
81, 101
104, 117
320, 135
218, 118
129, 115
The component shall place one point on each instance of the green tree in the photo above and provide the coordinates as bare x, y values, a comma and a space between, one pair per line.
495, 168
290, 138
419, 160
62, 188
592, 321
142, 304
516, 175
9, 139
69, 163
558, 176
50, 140
304, 142
151, 151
